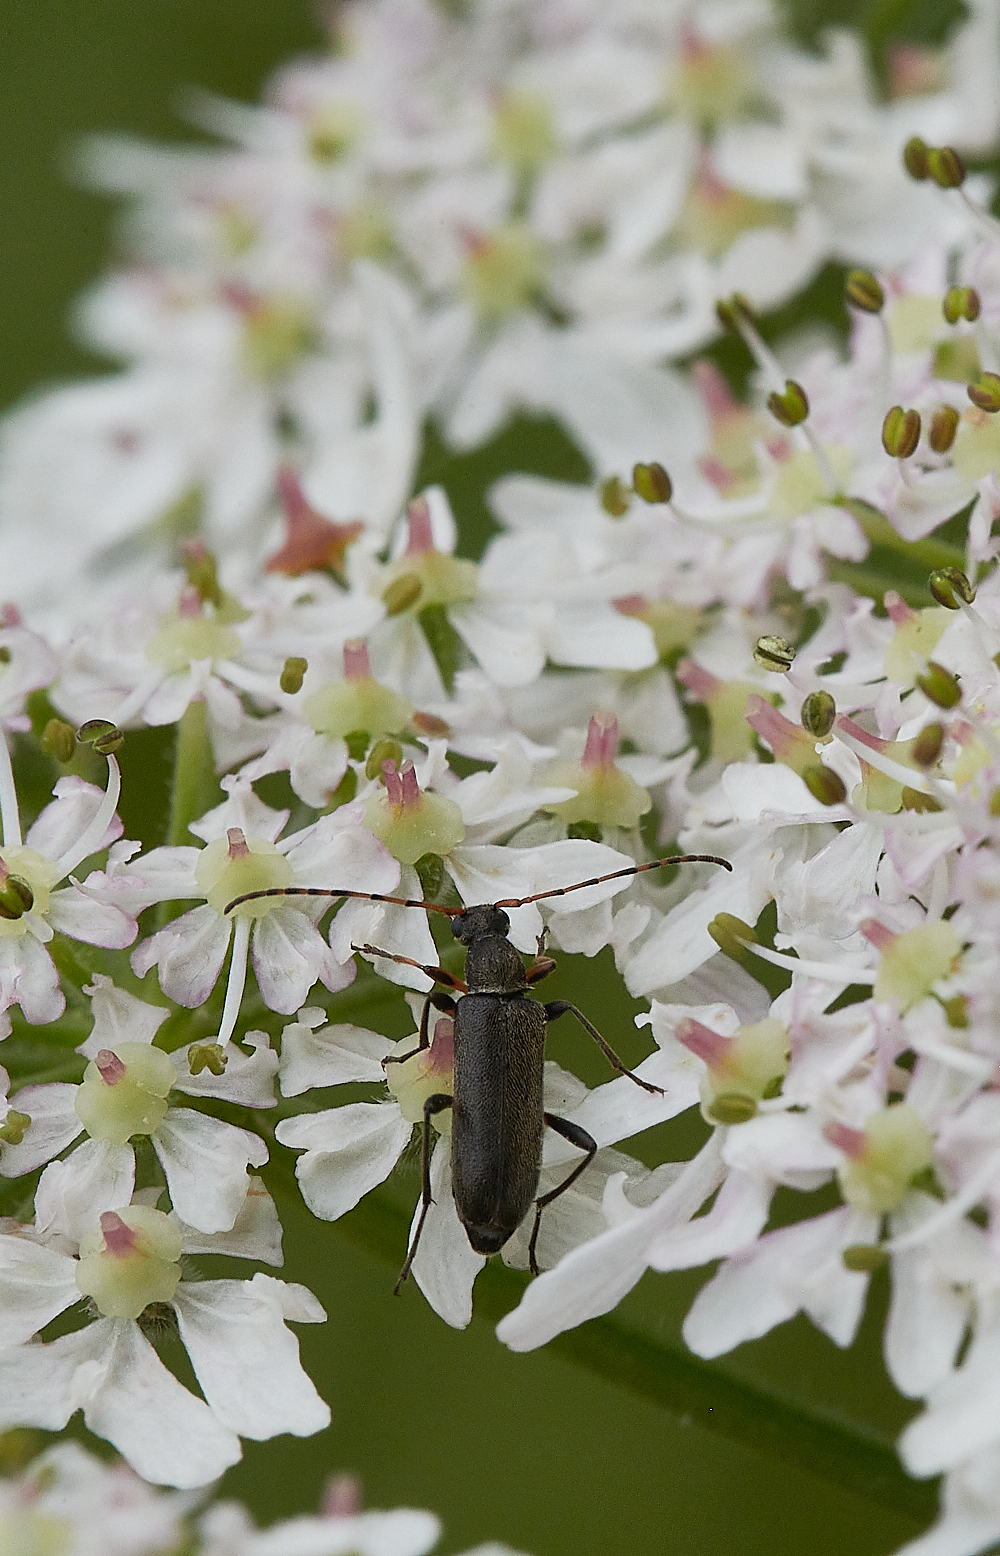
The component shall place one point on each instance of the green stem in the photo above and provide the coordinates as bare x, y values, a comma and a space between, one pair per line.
929, 553
195, 787
842, 1452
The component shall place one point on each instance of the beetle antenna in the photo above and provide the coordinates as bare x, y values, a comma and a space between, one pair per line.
596, 880
341, 891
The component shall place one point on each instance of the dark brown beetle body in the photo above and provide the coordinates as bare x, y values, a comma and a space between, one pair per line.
497, 1113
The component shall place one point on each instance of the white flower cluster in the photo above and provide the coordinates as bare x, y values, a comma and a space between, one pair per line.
732, 649
66, 1502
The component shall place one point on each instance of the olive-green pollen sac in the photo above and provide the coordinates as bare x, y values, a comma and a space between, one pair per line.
652, 483
16, 898
729, 933
818, 714
14, 1127
864, 1257
927, 746
774, 653
961, 302
994, 805
900, 432
946, 167
293, 673
732, 1108
940, 686
59, 740
403, 592
104, 736
383, 751
863, 290
614, 497
207, 1056
915, 158
824, 784
790, 408
951, 587
734, 311
985, 392
944, 425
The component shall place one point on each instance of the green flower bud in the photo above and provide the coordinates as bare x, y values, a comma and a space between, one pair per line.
985, 392
943, 428
818, 713
403, 592
940, 686
862, 289
865, 1258
383, 751
790, 408
961, 302
825, 785
927, 745
917, 801
614, 497
59, 740
950, 586
293, 674
207, 1056
946, 167
652, 483
774, 653
916, 158
900, 432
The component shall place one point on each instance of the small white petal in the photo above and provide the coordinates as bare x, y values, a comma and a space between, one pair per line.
446, 1265
330, 1056
255, 1234
36, 1283
348, 1151
205, 1162
72, 1194
54, 1123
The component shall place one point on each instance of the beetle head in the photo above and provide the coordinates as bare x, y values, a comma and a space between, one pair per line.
477, 923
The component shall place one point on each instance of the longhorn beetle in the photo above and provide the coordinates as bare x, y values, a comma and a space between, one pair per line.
498, 1116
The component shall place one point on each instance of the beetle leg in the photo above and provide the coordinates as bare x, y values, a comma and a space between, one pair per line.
557, 1008
435, 1104
585, 1142
439, 974
443, 1002
542, 965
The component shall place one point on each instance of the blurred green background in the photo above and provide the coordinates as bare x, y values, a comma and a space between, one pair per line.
626, 1447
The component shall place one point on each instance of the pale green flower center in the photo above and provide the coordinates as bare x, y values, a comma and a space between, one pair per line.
503, 271
898, 1144
914, 961
362, 704
220, 877
130, 1260
24, 1532
189, 638
124, 1092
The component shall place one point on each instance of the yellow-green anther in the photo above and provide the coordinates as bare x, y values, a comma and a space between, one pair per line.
818, 713
915, 158
16, 898
733, 311
293, 674
864, 1258
403, 592
430, 724
729, 933
207, 1056
652, 483
790, 408
944, 425
985, 392
5, 658
825, 785
900, 432
731, 1108
994, 805
946, 167
917, 801
956, 1011
59, 740
383, 751
950, 587
774, 653
94, 729
14, 1127
202, 572
108, 743
614, 496
862, 289
961, 302
940, 686
927, 746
